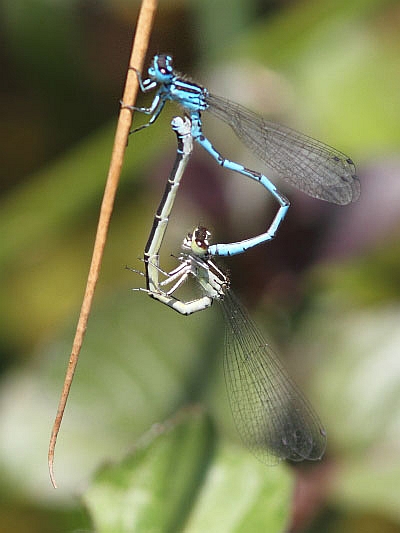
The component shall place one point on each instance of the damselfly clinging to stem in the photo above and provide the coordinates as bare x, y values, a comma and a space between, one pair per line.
273, 418
313, 167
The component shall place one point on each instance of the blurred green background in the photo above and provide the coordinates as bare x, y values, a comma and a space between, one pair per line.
326, 291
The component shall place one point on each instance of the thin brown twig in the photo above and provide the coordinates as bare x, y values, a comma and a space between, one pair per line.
139, 49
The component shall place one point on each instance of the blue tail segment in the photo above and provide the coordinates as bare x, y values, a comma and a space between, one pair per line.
242, 246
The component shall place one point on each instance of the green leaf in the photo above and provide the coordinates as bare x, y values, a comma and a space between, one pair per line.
183, 479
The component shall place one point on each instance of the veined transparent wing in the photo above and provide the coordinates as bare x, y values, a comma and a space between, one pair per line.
272, 416
310, 165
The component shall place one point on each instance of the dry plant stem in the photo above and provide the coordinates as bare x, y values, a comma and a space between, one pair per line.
140, 45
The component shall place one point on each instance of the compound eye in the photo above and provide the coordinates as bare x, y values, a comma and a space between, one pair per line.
164, 64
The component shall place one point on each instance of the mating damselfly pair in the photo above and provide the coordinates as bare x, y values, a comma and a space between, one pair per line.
272, 416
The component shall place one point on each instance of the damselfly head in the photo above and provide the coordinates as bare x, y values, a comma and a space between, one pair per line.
197, 242
161, 68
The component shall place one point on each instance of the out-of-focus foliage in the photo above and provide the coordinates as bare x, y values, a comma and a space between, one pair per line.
180, 481
327, 288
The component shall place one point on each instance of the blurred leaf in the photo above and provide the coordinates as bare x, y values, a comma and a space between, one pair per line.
356, 386
139, 363
371, 280
49, 224
53, 198
22, 517
179, 481
293, 33
370, 483
37, 29
340, 58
